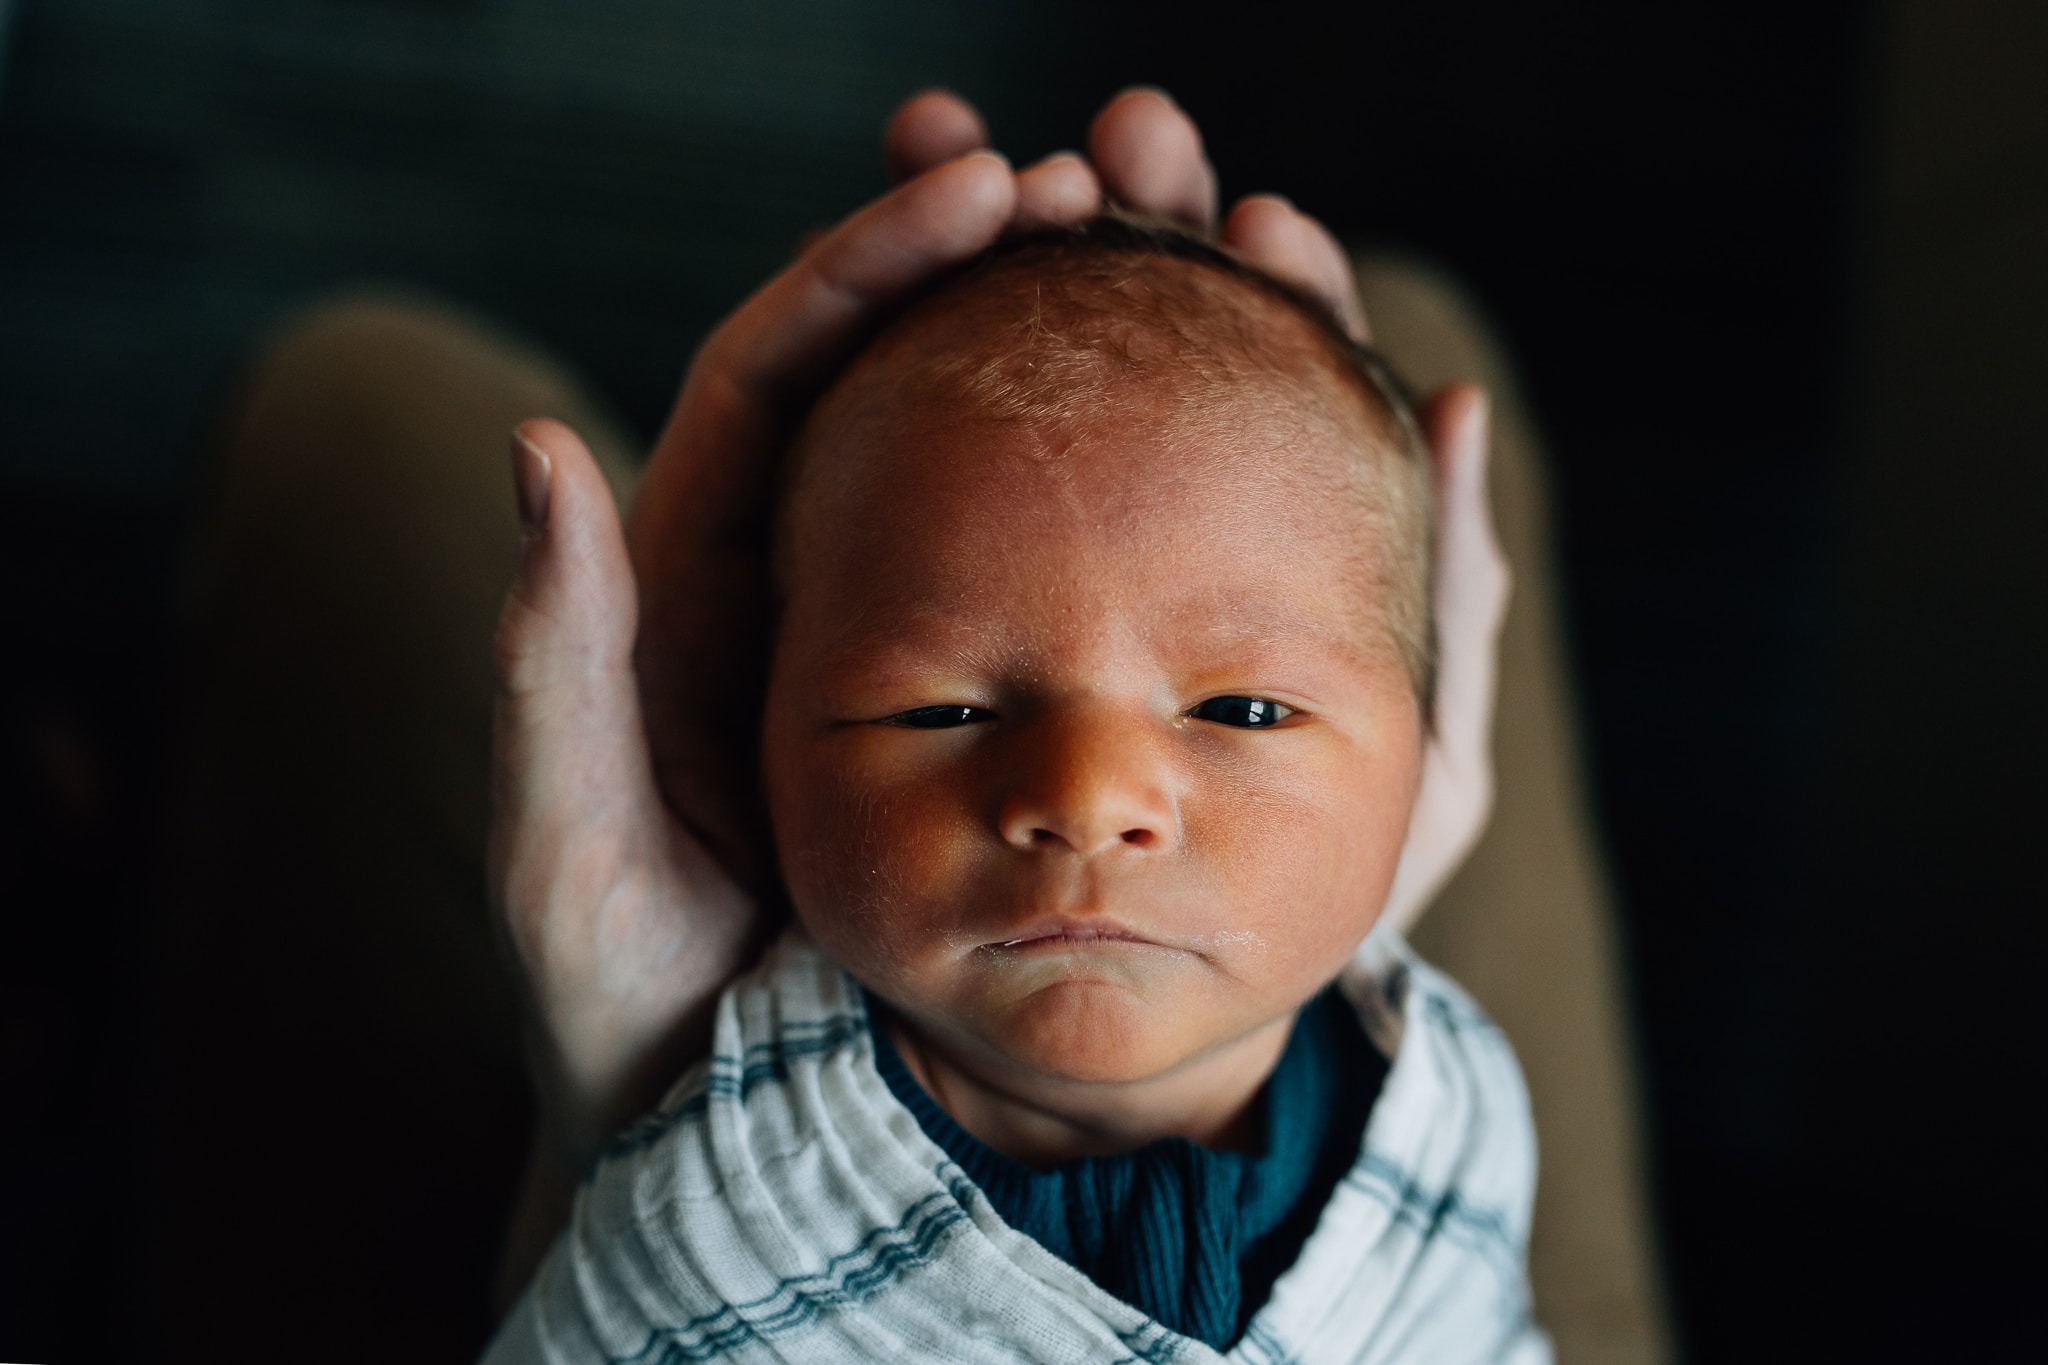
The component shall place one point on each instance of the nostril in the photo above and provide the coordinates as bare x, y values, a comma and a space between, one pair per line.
1139, 837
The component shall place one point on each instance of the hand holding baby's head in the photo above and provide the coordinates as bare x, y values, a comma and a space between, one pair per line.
1099, 693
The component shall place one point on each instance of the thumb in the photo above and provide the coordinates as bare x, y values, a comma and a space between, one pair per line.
569, 754
573, 609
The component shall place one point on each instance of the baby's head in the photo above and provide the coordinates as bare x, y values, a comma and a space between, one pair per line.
1101, 681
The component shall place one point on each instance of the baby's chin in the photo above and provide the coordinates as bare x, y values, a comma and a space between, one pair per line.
1087, 1011
1102, 1027
1092, 1035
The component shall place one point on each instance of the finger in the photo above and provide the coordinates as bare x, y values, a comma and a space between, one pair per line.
929, 129
697, 528
1288, 244
783, 337
571, 609
1472, 582
753, 372
1471, 592
569, 751
1150, 157
1059, 191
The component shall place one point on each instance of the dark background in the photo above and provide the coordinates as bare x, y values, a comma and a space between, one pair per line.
1775, 274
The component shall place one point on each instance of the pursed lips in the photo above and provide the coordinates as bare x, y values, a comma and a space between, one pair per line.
1059, 933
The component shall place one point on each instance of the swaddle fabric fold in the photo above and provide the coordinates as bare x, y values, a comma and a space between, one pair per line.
782, 1206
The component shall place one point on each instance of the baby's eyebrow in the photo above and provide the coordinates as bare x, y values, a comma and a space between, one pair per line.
1277, 624
936, 639
927, 638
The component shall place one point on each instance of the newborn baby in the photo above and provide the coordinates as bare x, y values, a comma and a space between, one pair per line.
1094, 724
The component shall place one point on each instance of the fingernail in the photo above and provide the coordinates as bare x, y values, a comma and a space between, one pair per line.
532, 471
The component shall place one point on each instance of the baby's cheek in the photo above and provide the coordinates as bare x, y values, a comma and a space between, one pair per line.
864, 868
1311, 863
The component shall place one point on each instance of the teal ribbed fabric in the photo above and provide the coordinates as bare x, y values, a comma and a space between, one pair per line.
1192, 1237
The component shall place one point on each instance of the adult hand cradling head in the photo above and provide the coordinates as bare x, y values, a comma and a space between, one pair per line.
628, 854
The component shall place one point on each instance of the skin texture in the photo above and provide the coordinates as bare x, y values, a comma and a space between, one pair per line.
1094, 907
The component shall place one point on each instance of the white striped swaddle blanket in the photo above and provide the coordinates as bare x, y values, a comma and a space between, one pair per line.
782, 1206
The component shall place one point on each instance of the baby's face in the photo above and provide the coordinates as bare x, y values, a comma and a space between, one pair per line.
1084, 751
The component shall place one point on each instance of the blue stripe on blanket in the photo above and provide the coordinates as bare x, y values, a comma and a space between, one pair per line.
731, 1077
1485, 1231
1153, 1344
1459, 1020
848, 1280
1271, 1350
886, 1254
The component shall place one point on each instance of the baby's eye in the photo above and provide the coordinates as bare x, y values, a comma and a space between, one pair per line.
939, 717
1247, 713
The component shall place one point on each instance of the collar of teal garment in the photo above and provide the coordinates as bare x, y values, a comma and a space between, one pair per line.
1193, 1237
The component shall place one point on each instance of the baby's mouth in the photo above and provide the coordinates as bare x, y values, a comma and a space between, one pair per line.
1060, 933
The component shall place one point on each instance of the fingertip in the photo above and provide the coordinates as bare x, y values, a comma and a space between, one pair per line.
1265, 201
532, 476
554, 437
930, 128
1456, 419
791, 330
1271, 233
979, 189
1140, 97
1057, 191
1259, 227
1150, 156
550, 464
980, 156
1471, 415
945, 213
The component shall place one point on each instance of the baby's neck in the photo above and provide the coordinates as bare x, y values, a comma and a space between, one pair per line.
1040, 1120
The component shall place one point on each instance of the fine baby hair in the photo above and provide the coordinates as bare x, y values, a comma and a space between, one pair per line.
1057, 327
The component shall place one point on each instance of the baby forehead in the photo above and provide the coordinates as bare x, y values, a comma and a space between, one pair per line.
972, 525
1153, 411
1123, 471
1038, 334
1001, 592
1158, 386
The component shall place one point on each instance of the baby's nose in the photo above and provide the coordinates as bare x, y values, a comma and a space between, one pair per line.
1091, 786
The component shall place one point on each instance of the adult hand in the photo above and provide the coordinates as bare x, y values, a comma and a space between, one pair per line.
1470, 596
